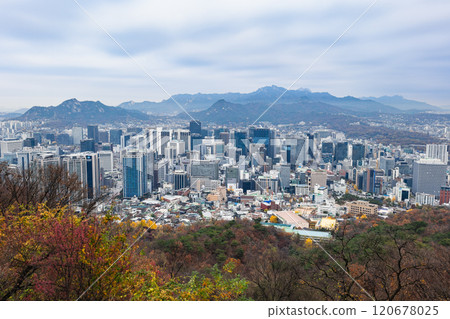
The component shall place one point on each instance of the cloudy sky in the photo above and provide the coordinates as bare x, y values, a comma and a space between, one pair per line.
52, 51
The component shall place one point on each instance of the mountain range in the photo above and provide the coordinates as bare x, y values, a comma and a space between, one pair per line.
264, 96
73, 111
293, 106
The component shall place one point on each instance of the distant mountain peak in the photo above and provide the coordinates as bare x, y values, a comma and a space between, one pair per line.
74, 100
272, 88
74, 111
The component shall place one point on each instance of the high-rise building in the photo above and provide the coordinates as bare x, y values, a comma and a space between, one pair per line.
205, 169
341, 151
93, 132
134, 174
87, 146
327, 151
285, 175
103, 137
77, 135
24, 160
387, 164
87, 167
232, 176
180, 180
240, 140
262, 136
114, 136
444, 196
358, 153
318, 178
29, 142
438, 151
63, 139
10, 145
428, 176
195, 127
106, 160
373, 181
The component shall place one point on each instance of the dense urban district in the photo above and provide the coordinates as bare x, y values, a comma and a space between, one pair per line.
355, 208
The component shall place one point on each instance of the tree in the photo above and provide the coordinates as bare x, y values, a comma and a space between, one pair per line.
53, 254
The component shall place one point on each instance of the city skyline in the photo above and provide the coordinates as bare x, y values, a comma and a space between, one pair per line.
54, 51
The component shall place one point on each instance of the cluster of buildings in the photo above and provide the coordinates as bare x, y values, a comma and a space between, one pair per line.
183, 174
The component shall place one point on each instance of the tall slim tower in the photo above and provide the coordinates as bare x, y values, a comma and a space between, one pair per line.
134, 174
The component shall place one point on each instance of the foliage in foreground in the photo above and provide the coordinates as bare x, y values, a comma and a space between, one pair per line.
55, 254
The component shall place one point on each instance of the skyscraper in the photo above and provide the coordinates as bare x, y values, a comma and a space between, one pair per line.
327, 151
134, 175
93, 132
341, 151
438, 151
87, 167
240, 140
387, 164
358, 153
444, 196
77, 135
114, 136
87, 146
195, 127
180, 180
428, 176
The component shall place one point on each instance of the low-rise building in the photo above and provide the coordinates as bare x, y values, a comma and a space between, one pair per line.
361, 207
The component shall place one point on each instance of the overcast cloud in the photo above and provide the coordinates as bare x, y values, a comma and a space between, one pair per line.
51, 51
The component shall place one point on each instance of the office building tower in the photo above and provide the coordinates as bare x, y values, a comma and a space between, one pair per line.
373, 181
29, 142
429, 176
327, 151
50, 137
10, 145
103, 137
135, 130
180, 180
63, 139
24, 160
182, 135
241, 141
284, 174
358, 154
38, 138
106, 161
114, 136
318, 178
77, 135
444, 195
387, 164
87, 167
205, 169
93, 132
341, 151
195, 127
87, 146
134, 174
438, 151
232, 176
262, 136
125, 140
225, 137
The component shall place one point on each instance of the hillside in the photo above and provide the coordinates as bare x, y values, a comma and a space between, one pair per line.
73, 111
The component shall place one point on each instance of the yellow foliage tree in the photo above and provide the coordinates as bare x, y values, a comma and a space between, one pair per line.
273, 219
